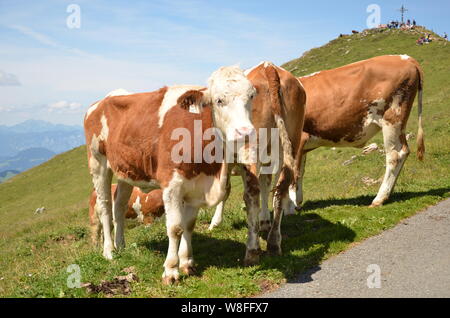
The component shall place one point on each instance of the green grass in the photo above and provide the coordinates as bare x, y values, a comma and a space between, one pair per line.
35, 250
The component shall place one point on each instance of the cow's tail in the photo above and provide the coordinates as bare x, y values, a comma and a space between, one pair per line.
420, 134
274, 91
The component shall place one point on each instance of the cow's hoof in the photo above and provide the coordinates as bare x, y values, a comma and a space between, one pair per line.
188, 270
273, 250
264, 226
119, 246
289, 212
212, 226
108, 254
170, 279
252, 257
375, 205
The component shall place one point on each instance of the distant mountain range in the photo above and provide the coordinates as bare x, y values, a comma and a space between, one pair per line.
7, 174
39, 134
38, 126
33, 142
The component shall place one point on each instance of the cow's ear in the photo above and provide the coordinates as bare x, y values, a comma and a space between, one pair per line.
192, 101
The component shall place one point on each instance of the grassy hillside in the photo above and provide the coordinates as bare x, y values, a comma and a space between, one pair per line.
4, 175
36, 249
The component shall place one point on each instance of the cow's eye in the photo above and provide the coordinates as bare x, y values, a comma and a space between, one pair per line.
219, 102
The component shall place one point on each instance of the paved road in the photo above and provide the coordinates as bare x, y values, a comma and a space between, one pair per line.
413, 258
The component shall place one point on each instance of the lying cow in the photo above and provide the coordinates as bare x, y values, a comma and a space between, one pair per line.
347, 106
143, 206
133, 137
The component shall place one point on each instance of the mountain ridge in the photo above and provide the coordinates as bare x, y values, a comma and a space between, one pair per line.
34, 125
37, 133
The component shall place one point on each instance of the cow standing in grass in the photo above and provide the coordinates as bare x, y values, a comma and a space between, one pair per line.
280, 104
347, 106
132, 137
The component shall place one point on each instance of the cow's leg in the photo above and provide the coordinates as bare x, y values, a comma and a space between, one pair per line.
174, 206
397, 151
296, 187
101, 177
265, 181
121, 197
218, 214
296, 190
300, 181
185, 251
251, 199
280, 202
96, 227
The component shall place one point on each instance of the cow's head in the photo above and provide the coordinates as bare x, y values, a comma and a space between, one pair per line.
231, 95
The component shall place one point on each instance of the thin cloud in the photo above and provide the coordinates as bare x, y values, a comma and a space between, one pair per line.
5, 109
46, 40
8, 79
64, 106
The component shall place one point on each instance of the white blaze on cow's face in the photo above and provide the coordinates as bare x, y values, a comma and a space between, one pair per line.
231, 95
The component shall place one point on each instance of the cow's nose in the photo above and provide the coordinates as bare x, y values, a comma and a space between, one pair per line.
244, 131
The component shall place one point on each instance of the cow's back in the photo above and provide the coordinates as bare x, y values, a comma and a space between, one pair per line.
340, 100
127, 131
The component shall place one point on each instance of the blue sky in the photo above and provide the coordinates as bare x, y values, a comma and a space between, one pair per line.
51, 72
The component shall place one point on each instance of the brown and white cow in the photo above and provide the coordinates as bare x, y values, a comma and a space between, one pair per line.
132, 137
280, 103
347, 106
143, 206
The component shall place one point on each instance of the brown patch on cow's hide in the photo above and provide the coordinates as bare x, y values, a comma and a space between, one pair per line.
102, 147
404, 142
393, 158
285, 180
251, 181
175, 118
133, 133
192, 97
407, 91
403, 139
176, 230
92, 201
152, 205
130, 163
274, 86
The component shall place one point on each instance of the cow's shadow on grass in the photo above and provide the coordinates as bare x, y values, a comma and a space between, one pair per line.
366, 200
306, 240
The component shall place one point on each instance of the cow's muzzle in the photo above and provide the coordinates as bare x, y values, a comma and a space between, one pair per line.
240, 133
